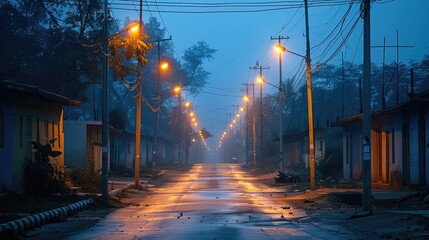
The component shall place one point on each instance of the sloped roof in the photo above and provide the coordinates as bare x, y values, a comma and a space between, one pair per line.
421, 97
35, 90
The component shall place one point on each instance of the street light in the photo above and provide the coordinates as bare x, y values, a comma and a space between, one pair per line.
178, 90
280, 49
133, 28
187, 104
307, 59
162, 67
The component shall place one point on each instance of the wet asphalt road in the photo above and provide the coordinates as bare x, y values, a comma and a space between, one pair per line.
210, 201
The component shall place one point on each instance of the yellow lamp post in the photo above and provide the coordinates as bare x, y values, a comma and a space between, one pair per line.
178, 90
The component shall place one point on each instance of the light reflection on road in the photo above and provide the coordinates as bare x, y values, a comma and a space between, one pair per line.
210, 201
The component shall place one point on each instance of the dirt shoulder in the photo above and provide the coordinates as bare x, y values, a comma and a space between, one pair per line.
335, 206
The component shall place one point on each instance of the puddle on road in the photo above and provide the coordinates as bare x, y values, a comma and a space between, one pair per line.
215, 195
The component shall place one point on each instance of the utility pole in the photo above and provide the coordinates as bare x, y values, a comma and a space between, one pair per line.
397, 46
260, 68
254, 125
281, 160
366, 130
158, 106
138, 106
247, 125
412, 94
342, 85
397, 67
180, 124
105, 115
309, 101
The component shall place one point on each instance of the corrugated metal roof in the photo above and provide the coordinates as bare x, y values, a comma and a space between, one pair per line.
35, 90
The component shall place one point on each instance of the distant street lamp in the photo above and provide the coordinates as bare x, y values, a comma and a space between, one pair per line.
178, 90
280, 49
162, 66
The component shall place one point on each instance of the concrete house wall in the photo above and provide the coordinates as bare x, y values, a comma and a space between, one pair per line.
122, 150
83, 145
75, 144
399, 144
426, 167
352, 152
27, 117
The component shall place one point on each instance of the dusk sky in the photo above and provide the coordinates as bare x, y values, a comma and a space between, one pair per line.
241, 39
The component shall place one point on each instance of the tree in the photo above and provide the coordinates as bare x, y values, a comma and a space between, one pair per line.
126, 54
194, 58
117, 118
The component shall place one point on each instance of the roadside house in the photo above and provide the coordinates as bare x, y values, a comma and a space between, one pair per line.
399, 144
296, 146
28, 113
122, 150
82, 145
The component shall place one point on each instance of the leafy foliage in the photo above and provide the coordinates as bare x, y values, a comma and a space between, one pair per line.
124, 50
41, 176
117, 118
206, 134
193, 58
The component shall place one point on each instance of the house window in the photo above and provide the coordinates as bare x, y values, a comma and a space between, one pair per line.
321, 146
2, 130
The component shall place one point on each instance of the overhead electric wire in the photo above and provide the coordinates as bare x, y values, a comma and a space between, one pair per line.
171, 7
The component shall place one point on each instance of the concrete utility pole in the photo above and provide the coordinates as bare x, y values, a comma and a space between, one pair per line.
366, 128
247, 126
281, 160
254, 125
138, 106
260, 68
180, 124
105, 110
397, 46
158, 106
342, 85
309, 101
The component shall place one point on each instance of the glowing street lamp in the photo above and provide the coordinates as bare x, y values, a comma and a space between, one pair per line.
280, 49
187, 104
246, 98
164, 65
191, 114
177, 89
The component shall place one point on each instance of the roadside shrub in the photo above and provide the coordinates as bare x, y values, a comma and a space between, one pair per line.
41, 176
90, 182
331, 165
